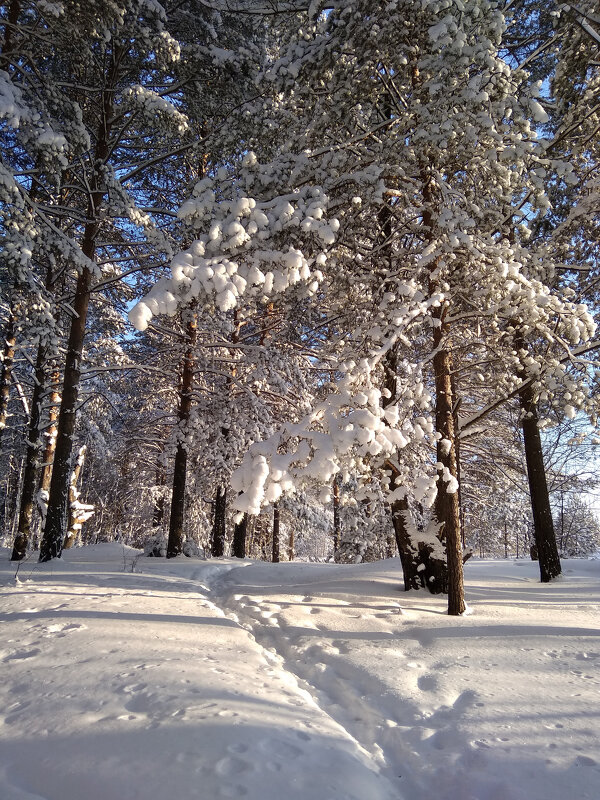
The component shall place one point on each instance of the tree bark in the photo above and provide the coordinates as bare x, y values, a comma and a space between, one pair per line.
418, 567
447, 503
291, 545
56, 516
176, 520
219, 530
14, 11
543, 525
8, 357
337, 528
32, 458
239, 538
78, 513
51, 433
158, 512
408, 556
275, 555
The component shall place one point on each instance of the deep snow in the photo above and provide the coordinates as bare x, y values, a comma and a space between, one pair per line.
125, 677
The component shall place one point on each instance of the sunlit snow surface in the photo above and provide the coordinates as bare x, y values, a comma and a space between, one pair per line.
206, 679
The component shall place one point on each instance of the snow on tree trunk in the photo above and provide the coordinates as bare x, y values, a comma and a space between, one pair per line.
78, 512
31, 461
175, 543
422, 563
447, 502
55, 529
8, 357
56, 515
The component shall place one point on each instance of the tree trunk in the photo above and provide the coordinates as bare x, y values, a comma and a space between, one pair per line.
175, 543
543, 525
78, 512
51, 433
291, 545
275, 533
56, 516
239, 538
337, 530
418, 567
219, 522
408, 556
32, 458
14, 11
158, 512
8, 357
447, 502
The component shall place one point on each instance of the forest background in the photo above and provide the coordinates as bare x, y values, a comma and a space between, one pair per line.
358, 246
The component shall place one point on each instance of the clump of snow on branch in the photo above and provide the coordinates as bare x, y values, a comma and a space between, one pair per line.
241, 251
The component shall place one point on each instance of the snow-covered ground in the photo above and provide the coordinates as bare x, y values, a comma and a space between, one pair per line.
126, 677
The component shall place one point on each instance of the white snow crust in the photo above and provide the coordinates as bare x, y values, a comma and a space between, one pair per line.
126, 677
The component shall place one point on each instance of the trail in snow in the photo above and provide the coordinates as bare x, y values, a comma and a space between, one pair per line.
122, 686
479, 707
200, 680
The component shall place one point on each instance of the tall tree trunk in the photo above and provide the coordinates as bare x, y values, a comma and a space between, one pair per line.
219, 520
275, 554
56, 516
543, 525
158, 512
8, 357
175, 542
291, 545
408, 555
50, 433
239, 537
337, 529
14, 10
447, 503
32, 458
419, 567
78, 512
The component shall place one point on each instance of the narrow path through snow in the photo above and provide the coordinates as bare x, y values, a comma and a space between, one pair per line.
118, 686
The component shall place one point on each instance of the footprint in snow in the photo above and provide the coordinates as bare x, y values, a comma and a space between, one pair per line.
585, 761
21, 655
279, 749
238, 748
228, 790
232, 765
427, 683
63, 628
